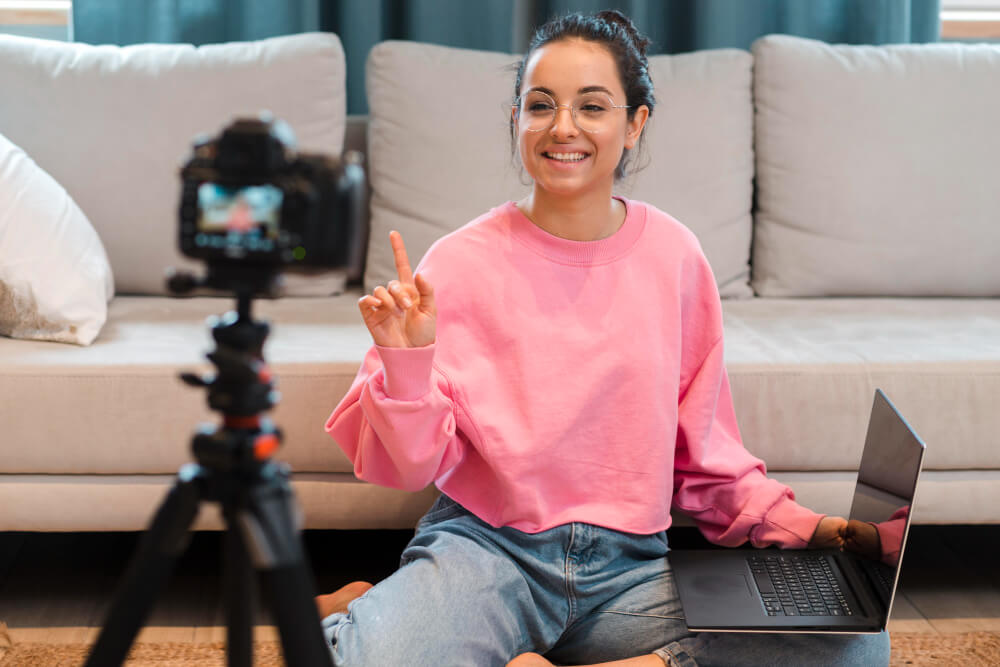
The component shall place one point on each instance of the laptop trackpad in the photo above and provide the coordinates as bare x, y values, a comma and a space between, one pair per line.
728, 585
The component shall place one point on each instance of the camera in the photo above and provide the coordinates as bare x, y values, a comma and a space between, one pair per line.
251, 204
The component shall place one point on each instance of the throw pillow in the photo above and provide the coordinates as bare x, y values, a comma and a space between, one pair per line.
55, 280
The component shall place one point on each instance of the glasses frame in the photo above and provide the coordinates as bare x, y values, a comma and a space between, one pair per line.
555, 112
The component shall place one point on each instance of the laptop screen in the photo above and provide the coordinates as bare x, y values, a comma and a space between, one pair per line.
883, 496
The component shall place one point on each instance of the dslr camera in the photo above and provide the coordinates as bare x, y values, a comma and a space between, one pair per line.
251, 206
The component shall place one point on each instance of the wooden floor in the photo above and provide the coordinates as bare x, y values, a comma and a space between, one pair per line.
57, 587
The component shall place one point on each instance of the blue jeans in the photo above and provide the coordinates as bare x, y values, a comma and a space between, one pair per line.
468, 594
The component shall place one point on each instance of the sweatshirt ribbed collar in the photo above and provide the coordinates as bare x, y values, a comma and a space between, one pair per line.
582, 253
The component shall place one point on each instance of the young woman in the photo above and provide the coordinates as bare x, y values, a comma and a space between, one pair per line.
555, 367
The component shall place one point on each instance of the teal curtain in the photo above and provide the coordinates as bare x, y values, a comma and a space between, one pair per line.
674, 26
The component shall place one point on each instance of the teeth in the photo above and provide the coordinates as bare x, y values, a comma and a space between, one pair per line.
567, 157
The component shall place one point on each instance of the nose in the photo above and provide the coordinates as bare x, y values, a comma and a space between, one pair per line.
563, 124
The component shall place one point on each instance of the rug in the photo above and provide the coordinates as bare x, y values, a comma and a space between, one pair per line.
969, 649
981, 649
141, 655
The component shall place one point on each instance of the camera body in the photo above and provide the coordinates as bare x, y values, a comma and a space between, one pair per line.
250, 202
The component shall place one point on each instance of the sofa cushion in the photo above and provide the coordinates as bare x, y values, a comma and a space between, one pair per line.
700, 156
114, 124
440, 153
55, 280
122, 408
803, 372
877, 169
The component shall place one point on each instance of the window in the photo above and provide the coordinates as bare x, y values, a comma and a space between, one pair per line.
970, 20
47, 19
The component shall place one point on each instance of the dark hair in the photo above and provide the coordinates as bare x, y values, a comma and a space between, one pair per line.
619, 36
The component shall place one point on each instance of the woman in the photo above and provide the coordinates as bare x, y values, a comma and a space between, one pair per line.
555, 367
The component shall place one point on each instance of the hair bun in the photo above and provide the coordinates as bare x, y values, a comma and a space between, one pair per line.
616, 17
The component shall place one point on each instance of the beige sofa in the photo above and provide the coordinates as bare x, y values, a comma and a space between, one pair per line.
861, 184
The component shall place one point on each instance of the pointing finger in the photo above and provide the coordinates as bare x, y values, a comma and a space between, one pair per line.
402, 261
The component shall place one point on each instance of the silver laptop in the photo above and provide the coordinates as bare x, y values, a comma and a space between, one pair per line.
781, 590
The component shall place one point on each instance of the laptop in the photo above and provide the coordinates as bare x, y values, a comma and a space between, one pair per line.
785, 590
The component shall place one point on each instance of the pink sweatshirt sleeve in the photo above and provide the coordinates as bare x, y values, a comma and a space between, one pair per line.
397, 422
890, 535
717, 481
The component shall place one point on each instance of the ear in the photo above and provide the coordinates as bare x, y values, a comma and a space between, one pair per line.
634, 128
513, 119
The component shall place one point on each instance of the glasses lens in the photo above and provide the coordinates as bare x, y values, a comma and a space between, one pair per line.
593, 111
537, 111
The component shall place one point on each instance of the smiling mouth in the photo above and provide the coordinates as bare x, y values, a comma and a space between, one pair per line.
566, 157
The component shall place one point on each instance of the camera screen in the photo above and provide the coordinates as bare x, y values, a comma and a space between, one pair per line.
246, 218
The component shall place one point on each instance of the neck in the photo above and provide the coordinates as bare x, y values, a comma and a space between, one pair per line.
588, 217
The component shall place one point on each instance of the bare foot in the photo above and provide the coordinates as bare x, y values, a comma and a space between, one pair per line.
535, 660
337, 601
529, 660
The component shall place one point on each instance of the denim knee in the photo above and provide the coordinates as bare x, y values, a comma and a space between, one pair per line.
777, 649
870, 650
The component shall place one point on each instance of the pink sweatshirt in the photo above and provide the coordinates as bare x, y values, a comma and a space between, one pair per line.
569, 382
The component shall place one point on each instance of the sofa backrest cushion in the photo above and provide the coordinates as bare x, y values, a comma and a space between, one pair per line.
878, 169
440, 153
113, 125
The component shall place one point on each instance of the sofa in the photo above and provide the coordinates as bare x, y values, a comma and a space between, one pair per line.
847, 198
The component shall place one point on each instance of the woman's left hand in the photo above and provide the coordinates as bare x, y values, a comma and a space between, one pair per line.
829, 533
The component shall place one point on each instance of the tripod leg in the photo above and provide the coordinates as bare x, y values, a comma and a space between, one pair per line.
164, 541
239, 597
272, 537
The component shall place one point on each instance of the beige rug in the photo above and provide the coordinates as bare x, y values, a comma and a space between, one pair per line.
981, 649
969, 649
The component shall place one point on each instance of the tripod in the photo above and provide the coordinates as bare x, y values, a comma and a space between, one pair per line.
233, 468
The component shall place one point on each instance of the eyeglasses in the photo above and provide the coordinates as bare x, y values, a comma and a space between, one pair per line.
592, 112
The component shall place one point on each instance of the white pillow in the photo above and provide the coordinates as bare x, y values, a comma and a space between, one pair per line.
55, 279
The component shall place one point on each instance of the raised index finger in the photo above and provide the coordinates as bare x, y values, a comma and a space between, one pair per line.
402, 261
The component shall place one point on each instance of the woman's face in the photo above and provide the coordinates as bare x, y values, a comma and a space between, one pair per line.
562, 158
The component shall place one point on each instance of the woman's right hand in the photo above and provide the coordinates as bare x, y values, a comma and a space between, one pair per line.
402, 313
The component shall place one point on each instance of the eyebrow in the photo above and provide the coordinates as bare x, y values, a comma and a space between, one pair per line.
585, 89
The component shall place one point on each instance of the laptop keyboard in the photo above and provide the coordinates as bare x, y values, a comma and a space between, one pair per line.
798, 585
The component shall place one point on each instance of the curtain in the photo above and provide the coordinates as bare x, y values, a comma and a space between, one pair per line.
674, 26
